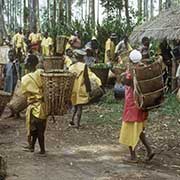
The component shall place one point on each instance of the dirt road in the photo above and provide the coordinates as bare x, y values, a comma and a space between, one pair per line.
90, 153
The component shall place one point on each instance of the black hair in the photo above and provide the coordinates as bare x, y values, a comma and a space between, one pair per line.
31, 62
145, 39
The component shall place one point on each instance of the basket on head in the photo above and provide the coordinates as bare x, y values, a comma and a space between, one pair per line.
53, 62
58, 85
5, 97
18, 102
101, 73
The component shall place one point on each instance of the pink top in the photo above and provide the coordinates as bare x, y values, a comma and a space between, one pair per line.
131, 113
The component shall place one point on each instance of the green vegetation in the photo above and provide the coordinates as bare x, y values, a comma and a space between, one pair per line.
108, 111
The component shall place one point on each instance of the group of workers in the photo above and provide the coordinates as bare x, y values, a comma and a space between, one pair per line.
78, 61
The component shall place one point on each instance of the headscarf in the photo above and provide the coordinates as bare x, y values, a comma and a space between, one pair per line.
135, 56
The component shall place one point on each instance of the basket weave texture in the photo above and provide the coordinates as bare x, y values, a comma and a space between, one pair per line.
58, 86
4, 99
148, 86
53, 63
18, 102
102, 73
61, 42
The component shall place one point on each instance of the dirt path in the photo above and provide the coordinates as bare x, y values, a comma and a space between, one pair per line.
91, 153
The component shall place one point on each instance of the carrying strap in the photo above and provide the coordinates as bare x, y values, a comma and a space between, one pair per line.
86, 79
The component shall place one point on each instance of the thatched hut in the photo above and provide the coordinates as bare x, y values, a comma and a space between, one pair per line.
165, 25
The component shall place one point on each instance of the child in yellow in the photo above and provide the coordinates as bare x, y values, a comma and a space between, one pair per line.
31, 86
81, 89
68, 58
46, 45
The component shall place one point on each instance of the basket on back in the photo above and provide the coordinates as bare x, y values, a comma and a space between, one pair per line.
18, 102
148, 86
4, 99
57, 87
53, 62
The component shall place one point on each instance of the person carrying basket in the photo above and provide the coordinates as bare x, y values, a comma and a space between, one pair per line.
31, 87
82, 87
134, 119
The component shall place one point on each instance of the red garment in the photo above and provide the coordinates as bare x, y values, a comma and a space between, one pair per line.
131, 113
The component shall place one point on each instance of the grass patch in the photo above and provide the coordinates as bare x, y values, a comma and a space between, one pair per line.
107, 111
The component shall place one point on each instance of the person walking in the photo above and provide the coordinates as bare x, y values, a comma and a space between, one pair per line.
133, 120
36, 117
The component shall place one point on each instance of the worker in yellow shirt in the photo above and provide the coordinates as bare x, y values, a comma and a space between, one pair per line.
18, 42
68, 58
110, 48
35, 40
82, 87
46, 45
36, 118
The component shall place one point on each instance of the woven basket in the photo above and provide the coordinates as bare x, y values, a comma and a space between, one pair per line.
53, 63
102, 73
57, 87
149, 71
18, 102
148, 86
150, 100
4, 99
61, 42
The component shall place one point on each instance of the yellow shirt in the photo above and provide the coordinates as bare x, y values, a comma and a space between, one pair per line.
79, 93
67, 62
31, 86
34, 38
109, 46
18, 40
46, 42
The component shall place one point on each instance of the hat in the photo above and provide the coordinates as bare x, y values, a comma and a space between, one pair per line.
113, 36
135, 56
81, 52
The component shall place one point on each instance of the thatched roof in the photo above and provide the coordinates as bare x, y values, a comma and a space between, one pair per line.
165, 25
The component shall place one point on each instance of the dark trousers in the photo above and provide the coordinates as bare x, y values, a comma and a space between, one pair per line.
37, 130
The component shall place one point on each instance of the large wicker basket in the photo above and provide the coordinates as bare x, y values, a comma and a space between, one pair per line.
148, 86
57, 87
4, 99
53, 63
61, 42
102, 73
18, 102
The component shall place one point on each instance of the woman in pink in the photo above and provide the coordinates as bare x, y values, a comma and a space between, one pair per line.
134, 119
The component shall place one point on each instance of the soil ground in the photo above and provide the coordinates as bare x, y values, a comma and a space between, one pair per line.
93, 152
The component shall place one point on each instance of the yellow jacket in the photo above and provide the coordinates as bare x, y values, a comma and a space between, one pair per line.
67, 62
31, 87
34, 38
45, 44
79, 93
18, 41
